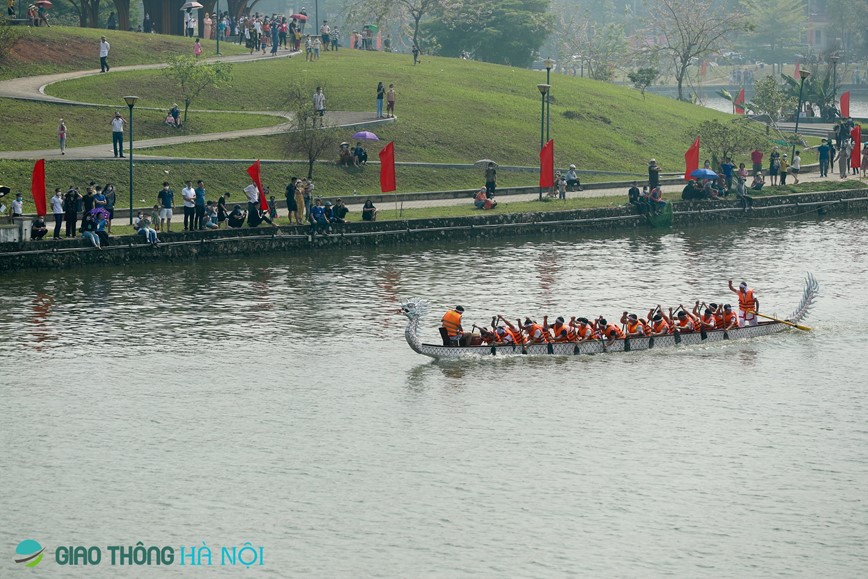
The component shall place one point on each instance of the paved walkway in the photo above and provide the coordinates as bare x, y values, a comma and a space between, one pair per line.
33, 88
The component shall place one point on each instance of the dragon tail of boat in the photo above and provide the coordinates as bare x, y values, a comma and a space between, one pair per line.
812, 288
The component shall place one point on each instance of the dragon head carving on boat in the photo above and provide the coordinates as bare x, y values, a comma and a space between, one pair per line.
414, 309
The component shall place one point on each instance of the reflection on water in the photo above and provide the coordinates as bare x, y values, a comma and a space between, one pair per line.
275, 399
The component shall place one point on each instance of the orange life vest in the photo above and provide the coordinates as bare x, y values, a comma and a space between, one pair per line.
707, 322
612, 328
584, 333
728, 318
517, 337
746, 301
562, 333
637, 327
718, 319
452, 322
532, 332
685, 325
660, 326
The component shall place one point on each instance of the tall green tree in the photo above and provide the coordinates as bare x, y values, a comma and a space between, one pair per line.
727, 140
498, 31
769, 98
778, 25
690, 31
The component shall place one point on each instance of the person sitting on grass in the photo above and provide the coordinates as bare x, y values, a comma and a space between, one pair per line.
257, 216
360, 155
369, 212
209, 221
236, 218
758, 181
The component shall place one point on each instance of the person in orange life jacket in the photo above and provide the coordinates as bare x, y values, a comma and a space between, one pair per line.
747, 304
659, 325
717, 312
510, 334
706, 318
535, 332
729, 319
633, 326
684, 323
452, 325
560, 331
609, 331
582, 328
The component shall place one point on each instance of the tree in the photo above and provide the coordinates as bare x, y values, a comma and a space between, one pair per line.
499, 31
417, 9
769, 98
8, 36
192, 77
601, 50
643, 78
690, 30
309, 137
777, 28
726, 140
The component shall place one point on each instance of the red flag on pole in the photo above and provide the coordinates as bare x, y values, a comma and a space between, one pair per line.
253, 171
845, 104
856, 155
547, 165
739, 103
387, 168
796, 71
691, 159
37, 187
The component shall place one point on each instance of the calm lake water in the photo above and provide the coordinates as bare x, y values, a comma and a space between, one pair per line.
275, 401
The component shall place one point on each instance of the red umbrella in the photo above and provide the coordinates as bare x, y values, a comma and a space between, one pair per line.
45, 3
301, 17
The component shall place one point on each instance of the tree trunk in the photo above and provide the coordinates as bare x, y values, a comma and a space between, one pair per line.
310, 163
186, 106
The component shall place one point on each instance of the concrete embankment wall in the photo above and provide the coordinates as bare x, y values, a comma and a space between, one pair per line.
179, 247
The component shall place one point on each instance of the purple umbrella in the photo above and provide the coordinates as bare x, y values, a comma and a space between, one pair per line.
99, 213
366, 136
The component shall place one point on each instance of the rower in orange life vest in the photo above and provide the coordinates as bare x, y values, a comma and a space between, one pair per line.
609, 331
582, 328
684, 323
633, 326
560, 332
659, 325
747, 304
510, 334
729, 319
706, 318
452, 325
535, 333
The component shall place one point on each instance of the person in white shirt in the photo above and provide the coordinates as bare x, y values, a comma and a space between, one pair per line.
57, 209
118, 123
103, 54
18, 206
318, 105
796, 167
189, 195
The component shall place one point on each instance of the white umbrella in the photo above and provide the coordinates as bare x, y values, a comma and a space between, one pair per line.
484, 163
191, 6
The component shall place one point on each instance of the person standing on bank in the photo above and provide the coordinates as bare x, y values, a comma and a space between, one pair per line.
319, 105
57, 209
381, 94
61, 136
490, 180
103, 54
390, 102
117, 124
188, 194
653, 173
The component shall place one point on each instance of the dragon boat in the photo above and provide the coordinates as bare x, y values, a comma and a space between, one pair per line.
415, 309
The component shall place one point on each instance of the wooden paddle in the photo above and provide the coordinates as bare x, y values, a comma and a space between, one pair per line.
785, 322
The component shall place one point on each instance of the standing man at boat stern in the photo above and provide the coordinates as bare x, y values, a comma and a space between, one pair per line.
451, 330
748, 305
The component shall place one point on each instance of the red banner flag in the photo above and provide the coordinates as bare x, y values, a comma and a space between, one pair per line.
547, 165
796, 70
37, 187
856, 155
691, 159
845, 104
739, 103
387, 168
253, 171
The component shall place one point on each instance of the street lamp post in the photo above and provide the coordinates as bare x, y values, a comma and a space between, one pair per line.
549, 64
217, 27
803, 74
834, 58
131, 102
543, 90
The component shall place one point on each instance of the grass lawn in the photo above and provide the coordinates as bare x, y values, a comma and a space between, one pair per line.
44, 50
451, 110
30, 125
